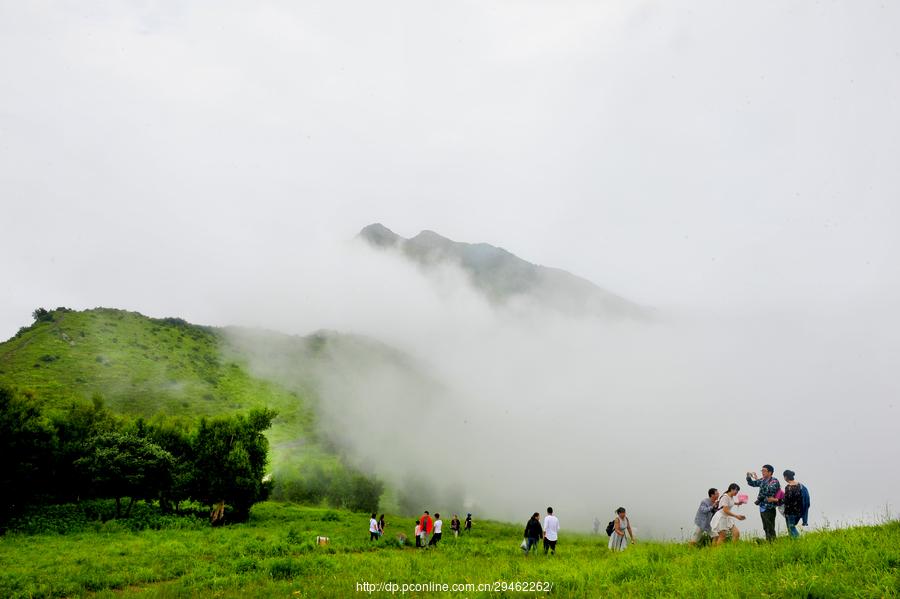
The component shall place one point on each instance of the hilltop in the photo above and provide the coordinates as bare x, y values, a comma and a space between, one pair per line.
150, 368
502, 276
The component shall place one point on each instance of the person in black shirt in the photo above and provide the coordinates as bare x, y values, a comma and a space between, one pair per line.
533, 533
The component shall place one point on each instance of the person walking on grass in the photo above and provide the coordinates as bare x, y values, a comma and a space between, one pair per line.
596, 525
766, 500
454, 525
533, 533
468, 522
724, 521
551, 532
708, 507
373, 528
381, 525
427, 527
418, 533
617, 540
438, 524
795, 503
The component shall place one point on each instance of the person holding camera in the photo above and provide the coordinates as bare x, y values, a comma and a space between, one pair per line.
766, 500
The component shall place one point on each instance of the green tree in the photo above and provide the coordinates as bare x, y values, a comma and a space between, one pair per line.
122, 464
75, 428
27, 445
42, 315
229, 460
175, 437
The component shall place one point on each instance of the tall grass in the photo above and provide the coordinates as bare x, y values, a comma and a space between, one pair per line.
275, 555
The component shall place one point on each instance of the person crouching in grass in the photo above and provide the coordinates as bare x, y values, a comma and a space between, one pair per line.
706, 511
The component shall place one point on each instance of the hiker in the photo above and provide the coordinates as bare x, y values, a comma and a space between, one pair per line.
468, 522
724, 520
381, 525
438, 524
454, 525
705, 513
617, 540
766, 500
418, 533
551, 532
533, 533
373, 528
795, 503
427, 527
596, 525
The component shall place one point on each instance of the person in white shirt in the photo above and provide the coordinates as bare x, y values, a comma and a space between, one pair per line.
436, 536
373, 529
551, 532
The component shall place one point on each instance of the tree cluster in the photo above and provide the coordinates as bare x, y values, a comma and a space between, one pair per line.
85, 452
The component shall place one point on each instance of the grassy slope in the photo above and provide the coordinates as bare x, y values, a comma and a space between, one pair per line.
144, 367
273, 556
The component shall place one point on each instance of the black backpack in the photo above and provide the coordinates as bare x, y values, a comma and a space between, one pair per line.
610, 528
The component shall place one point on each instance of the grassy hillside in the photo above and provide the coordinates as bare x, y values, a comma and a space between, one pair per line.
274, 555
148, 367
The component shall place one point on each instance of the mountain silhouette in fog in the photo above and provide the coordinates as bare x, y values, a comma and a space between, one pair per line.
502, 276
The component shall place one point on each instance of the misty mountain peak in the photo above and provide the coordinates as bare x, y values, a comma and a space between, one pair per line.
502, 276
379, 235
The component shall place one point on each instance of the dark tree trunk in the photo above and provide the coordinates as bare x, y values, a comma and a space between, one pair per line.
118, 507
128, 509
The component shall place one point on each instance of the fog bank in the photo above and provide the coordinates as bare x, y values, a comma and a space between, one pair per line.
524, 408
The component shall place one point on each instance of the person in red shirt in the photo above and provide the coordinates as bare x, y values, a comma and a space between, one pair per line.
427, 527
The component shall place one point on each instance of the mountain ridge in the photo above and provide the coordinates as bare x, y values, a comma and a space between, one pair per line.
503, 277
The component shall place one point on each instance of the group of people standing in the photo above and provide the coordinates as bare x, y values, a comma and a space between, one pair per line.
716, 517
619, 531
535, 531
376, 527
428, 530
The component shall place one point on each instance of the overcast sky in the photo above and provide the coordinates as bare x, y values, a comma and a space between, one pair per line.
690, 154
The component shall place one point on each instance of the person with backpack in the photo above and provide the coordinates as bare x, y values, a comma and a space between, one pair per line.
551, 532
766, 500
533, 533
616, 532
795, 503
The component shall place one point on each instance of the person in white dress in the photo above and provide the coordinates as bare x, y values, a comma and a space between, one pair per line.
725, 520
621, 525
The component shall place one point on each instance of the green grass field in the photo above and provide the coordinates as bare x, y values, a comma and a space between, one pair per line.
274, 555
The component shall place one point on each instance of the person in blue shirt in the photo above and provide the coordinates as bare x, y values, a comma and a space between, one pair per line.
766, 500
